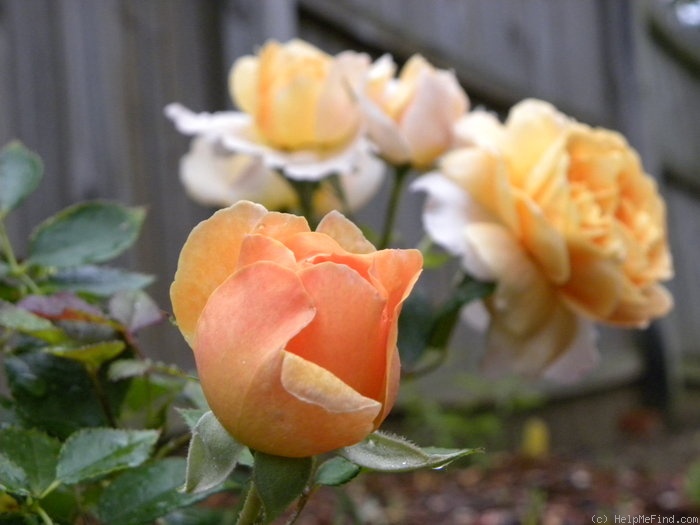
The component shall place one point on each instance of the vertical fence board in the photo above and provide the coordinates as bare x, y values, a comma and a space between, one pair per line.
84, 84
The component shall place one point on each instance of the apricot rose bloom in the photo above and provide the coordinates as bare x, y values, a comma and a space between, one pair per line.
411, 118
294, 331
563, 217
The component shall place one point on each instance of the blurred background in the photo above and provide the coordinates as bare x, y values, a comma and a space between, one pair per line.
84, 83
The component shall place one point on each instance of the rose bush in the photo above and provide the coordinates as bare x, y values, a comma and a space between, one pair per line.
411, 117
563, 217
294, 331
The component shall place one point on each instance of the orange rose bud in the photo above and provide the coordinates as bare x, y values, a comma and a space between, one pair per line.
294, 332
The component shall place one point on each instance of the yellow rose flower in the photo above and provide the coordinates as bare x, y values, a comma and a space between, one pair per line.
299, 110
563, 217
298, 96
411, 117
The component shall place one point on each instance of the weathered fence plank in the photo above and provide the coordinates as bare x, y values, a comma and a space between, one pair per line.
84, 84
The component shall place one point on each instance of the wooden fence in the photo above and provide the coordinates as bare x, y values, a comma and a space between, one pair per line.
84, 82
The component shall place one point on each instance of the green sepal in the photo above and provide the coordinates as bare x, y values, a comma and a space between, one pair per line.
336, 471
389, 453
279, 481
212, 455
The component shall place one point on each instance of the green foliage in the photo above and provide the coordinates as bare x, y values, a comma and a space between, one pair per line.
30, 461
20, 174
142, 494
85, 233
58, 395
20, 320
93, 452
84, 432
95, 280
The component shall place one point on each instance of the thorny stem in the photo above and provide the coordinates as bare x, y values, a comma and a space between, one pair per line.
44, 517
102, 398
301, 503
305, 190
250, 513
16, 268
400, 176
53, 486
305, 495
172, 445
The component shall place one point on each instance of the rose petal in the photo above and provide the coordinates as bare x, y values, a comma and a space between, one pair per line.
532, 126
238, 348
337, 115
211, 125
345, 233
446, 210
479, 128
484, 177
256, 248
281, 226
427, 124
215, 177
243, 83
310, 245
281, 415
546, 245
208, 257
579, 358
315, 385
385, 133
349, 331
595, 285
654, 301
523, 298
394, 272
509, 352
